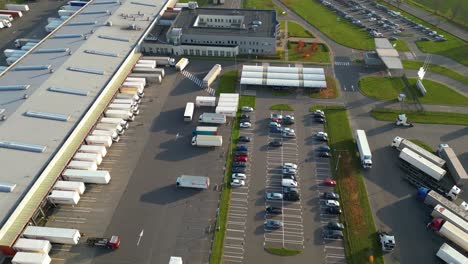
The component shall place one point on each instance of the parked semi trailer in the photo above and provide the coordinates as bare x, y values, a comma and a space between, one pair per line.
454, 165
162, 61
212, 118
197, 182
73, 186
451, 255
205, 101
450, 231
207, 141
87, 176
53, 234
432, 199
31, 258
365, 153
421, 163
442, 212
204, 130
212, 75
401, 143
64, 197
32, 245
93, 149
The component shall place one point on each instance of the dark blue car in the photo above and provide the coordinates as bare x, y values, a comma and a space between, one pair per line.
275, 130
242, 148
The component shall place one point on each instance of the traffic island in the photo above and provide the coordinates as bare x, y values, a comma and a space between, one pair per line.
283, 251
282, 107
445, 118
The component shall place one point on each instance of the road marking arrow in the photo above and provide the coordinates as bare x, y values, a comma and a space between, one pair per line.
139, 237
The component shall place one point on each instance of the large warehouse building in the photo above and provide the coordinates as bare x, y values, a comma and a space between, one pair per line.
53, 96
214, 32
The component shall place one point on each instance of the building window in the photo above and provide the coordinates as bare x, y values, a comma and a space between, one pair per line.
191, 51
203, 53
228, 53
210, 53
216, 53
197, 52
222, 53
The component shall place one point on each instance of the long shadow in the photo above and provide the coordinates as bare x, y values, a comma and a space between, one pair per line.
184, 86
462, 132
181, 149
169, 194
381, 129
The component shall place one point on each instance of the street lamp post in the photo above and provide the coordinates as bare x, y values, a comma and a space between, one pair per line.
337, 162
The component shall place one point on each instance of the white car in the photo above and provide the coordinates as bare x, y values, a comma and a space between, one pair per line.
372, 19
289, 165
288, 135
288, 130
332, 203
319, 112
239, 176
237, 183
245, 125
247, 109
290, 117
288, 183
289, 171
321, 134
396, 32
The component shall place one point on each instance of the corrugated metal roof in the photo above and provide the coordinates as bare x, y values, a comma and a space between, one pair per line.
387, 52
382, 43
51, 133
392, 63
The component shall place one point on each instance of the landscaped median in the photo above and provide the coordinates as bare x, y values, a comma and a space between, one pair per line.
283, 251
446, 118
220, 233
282, 107
415, 65
361, 244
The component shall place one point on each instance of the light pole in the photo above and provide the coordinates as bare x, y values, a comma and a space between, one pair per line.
337, 162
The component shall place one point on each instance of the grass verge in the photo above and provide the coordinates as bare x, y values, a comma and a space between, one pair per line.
310, 52
227, 83
445, 9
415, 65
283, 251
263, 4
360, 233
328, 93
444, 118
218, 241
200, 2
298, 31
400, 45
339, 30
282, 107
423, 145
388, 88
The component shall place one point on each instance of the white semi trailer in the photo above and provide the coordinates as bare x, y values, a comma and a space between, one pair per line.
87, 176
53, 234
365, 153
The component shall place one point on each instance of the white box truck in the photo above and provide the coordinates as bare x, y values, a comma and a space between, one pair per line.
197, 182
454, 165
93, 149
82, 165
32, 245
110, 133
31, 258
110, 120
400, 143
181, 64
94, 157
73, 186
205, 101
126, 115
53, 234
422, 164
87, 176
114, 127
99, 140
207, 141
365, 153
64, 197
212, 118
450, 255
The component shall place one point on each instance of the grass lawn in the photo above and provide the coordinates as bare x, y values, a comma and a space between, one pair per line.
227, 83
453, 48
282, 107
217, 248
328, 93
445, 8
400, 45
422, 117
326, 21
200, 2
360, 232
415, 65
296, 30
388, 88
321, 54
423, 145
283, 251
263, 4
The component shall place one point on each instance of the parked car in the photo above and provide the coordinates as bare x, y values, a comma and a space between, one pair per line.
240, 176
273, 224
289, 165
332, 203
320, 120
288, 134
276, 120
289, 176
287, 190
275, 130
289, 117
243, 139
289, 171
324, 148
288, 122
424, 39
274, 124
245, 125
240, 158
237, 183
276, 143
242, 148
331, 196
241, 153
247, 109
333, 210
319, 112
324, 154
243, 120
288, 183
335, 226
392, 38
274, 196
291, 196
274, 210
243, 116
239, 164
333, 234
330, 182
238, 169
322, 136
277, 116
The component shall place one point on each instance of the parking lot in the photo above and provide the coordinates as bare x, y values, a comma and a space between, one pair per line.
380, 21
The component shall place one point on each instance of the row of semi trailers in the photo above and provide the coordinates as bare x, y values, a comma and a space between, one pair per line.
35, 243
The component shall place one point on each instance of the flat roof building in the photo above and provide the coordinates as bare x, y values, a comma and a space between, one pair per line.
214, 32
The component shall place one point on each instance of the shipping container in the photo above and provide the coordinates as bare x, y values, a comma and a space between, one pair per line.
6, 17
442, 212
73, 186
422, 164
114, 127
197, 182
53, 234
451, 255
454, 165
87, 176
17, 7
188, 113
181, 64
127, 107
117, 121
136, 79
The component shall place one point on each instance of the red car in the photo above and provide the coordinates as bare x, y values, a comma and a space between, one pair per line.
330, 182
276, 120
240, 158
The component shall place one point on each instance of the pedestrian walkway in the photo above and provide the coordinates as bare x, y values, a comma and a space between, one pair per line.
197, 81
